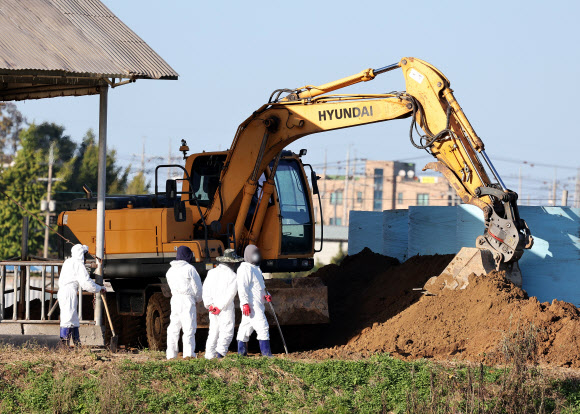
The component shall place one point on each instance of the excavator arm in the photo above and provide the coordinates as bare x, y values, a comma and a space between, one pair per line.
438, 125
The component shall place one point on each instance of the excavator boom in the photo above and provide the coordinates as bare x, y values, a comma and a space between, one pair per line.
438, 125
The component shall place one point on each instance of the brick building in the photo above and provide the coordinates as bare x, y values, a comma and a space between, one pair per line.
385, 185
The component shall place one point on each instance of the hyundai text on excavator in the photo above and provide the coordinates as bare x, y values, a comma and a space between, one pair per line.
258, 193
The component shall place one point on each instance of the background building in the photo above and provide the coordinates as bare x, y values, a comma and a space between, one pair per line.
384, 185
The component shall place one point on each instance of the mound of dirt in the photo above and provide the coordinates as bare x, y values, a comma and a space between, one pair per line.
374, 308
472, 323
364, 290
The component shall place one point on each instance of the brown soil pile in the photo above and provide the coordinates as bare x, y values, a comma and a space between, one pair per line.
364, 290
374, 309
472, 324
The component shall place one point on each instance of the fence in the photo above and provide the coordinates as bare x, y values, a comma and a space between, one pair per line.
20, 284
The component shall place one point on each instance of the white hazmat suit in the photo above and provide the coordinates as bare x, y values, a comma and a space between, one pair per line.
219, 289
186, 291
251, 290
73, 275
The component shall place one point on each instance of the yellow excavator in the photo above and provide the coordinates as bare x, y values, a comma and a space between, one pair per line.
258, 193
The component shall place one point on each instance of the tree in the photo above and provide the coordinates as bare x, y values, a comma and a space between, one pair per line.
11, 121
73, 167
83, 168
138, 184
20, 181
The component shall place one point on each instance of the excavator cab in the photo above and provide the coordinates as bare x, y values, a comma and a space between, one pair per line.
297, 221
287, 236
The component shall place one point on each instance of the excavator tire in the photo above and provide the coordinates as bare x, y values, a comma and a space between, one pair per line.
157, 321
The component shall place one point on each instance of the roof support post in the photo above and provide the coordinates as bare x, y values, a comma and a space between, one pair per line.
101, 189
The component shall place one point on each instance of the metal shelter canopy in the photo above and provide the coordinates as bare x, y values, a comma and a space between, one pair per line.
54, 48
51, 48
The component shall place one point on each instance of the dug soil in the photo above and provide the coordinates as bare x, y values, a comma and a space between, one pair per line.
375, 309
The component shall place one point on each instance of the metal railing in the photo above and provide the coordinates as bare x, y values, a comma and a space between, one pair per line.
20, 294
24, 277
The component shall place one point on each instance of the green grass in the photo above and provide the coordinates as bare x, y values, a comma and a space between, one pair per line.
257, 385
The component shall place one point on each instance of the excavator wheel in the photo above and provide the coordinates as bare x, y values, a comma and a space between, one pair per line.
157, 321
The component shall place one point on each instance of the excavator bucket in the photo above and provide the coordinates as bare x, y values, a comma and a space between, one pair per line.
467, 262
297, 301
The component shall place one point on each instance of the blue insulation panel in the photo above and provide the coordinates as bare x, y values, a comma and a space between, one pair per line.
551, 269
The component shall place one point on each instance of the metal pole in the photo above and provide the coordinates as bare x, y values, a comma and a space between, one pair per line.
564, 198
279, 327
27, 292
80, 303
43, 294
101, 189
345, 197
493, 170
15, 295
2, 290
24, 246
51, 288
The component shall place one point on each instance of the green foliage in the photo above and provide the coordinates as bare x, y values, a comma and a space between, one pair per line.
21, 182
256, 385
73, 167
11, 121
138, 185
83, 167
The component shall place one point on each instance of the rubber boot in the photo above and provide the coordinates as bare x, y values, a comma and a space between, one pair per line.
65, 334
265, 349
242, 348
76, 337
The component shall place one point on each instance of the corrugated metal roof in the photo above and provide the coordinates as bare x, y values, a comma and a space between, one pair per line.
64, 37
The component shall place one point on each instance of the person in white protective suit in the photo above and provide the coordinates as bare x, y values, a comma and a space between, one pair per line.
73, 275
219, 291
186, 291
253, 296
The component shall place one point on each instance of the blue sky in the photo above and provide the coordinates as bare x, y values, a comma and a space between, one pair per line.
514, 68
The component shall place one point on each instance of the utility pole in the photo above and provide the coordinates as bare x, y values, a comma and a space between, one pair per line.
564, 198
143, 157
324, 175
345, 197
48, 193
554, 188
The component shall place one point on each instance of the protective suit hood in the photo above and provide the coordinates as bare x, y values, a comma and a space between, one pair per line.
178, 263
78, 251
249, 252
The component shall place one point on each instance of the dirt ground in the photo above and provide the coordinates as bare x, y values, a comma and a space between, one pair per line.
374, 309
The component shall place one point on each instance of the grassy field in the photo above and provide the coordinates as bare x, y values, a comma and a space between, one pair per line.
42, 380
